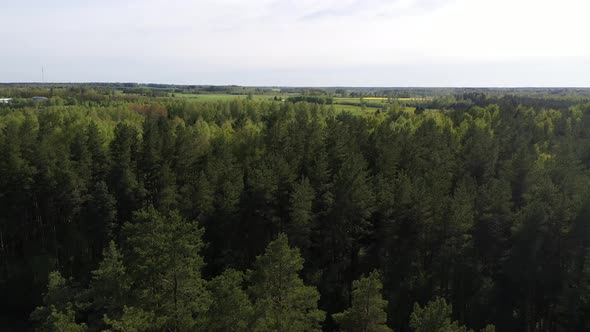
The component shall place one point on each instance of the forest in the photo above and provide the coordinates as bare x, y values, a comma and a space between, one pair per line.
135, 211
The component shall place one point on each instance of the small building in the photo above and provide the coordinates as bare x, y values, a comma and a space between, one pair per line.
39, 98
5, 100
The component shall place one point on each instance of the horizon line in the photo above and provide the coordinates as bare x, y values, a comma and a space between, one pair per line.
313, 86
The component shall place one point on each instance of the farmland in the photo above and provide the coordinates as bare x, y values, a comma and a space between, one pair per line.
354, 105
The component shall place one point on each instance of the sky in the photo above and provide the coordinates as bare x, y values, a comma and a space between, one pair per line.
507, 43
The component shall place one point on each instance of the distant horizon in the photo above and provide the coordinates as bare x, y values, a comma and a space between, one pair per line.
301, 86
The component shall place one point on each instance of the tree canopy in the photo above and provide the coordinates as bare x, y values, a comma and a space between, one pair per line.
123, 208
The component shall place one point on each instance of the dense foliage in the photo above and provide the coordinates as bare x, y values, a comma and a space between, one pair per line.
133, 213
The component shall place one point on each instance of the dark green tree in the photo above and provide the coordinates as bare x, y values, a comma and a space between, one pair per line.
436, 317
301, 214
282, 302
110, 285
165, 264
231, 309
368, 310
57, 312
132, 320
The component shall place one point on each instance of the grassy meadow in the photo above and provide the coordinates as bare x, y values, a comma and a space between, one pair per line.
354, 105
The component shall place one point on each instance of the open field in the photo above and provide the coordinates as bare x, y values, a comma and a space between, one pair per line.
338, 107
340, 104
222, 96
357, 110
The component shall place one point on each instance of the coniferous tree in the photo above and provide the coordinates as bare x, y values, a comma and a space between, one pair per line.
132, 320
436, 317
123, 172
165, 264
57, 312
282, 302
301, 214
98, 217
61, 321
110, 285
231, 309
368, 310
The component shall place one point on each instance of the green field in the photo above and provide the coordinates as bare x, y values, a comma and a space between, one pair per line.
222, 97
353, 109
341, 104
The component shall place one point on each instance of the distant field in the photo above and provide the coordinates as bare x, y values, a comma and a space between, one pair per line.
348, 104
223, 97
337, 100
353, 109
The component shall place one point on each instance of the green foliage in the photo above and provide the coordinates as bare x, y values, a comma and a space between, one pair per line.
312, 99
489, 328
480, 197
367, 313
231, 309
301, 214
132, 320
57, 313
166, 267
434, 317
110, 285
281, 300
62, 321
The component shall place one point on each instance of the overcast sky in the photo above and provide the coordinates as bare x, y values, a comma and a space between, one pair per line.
298, 42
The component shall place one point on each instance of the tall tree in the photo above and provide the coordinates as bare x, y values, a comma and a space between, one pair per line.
132, 320
301, 214
367, 313
282, 301
123, 173
110, 285
165, 264
57, 312
231, 309
434, 317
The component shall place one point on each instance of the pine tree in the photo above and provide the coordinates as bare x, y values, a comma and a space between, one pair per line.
95, 144
434, 317
368, 311
57, 313
489, 328
231, 309
301, 213
110, 284
98, 216
123, 173
132, 320
166, 266
62, 321
281, 301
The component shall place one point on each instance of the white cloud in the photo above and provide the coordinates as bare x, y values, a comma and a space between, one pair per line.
341, 41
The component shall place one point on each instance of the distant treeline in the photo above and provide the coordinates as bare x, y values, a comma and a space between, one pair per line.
312, 99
